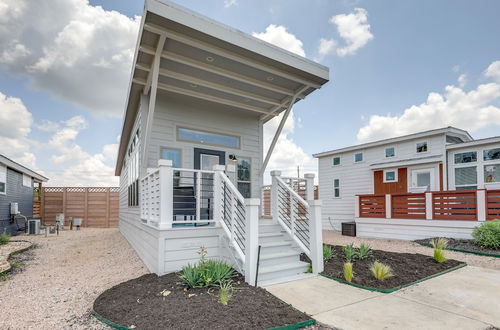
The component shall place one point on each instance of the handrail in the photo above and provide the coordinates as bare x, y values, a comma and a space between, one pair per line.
233, 188
294, 193
192, 170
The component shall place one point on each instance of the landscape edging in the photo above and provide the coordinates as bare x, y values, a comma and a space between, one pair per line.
484, 254
397, 287
17, 252
294, 326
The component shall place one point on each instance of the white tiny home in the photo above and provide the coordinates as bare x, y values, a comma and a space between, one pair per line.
191, 157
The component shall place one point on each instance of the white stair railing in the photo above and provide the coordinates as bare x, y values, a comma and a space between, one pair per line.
301, 219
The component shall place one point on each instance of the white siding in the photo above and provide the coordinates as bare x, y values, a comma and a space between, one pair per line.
357, 178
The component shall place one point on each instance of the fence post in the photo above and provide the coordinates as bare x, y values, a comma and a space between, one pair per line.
218, 193
316, 235
86, 213
388, 206
107, 207
251, 238
274, 195
166, 194
309, 186
481, 205
428, 206
356, 207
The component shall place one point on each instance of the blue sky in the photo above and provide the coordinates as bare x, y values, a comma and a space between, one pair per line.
417, 48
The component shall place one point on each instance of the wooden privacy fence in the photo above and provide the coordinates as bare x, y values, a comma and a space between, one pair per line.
97, 206
492, 204
372, 206
408, 206
266, 198
454, 205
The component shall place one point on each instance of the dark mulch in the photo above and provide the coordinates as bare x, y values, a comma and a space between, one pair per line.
139, 302
463, 244
407, 268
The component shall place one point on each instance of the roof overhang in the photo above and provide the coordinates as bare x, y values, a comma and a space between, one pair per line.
203, 59
490, 140
23, 169
407, 162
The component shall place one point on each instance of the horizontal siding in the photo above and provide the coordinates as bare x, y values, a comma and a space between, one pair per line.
143, 239
15, 193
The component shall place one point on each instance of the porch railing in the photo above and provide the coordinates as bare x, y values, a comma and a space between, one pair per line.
301, 219
492, 204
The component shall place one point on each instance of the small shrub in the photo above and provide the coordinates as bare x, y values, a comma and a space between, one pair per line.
348, 274
439, 255
327, 252
309, 268
4, 277
215, 272
191, 276
364, 251
350, 252
439, 243
381, 271
488, 234
4, 239
225, 290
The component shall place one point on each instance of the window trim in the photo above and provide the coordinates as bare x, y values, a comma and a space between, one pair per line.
385, 152
210, 132
422, 152
362, 157
4, 182
466, 165
333, 186
463, 152
167, 147
31, 181
333, 161
488, 160
396, 179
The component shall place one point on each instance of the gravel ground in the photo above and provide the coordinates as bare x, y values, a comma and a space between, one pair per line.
58, 286
332, 237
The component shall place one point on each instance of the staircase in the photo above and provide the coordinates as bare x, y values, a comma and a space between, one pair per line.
279, 256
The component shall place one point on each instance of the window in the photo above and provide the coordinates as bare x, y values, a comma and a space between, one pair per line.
390, 176
491, 154
244, 176
421, 147
466, 177
191, 135
465, 157
390, 152
453, 139
336, 188
26, 180
133, 171
172, 154
358, 157
3, 179
336, 161
492, 173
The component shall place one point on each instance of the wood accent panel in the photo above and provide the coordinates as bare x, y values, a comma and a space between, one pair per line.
97, 206
408, 206
372, 206
441, 177
492, 204
454, 205
400, 187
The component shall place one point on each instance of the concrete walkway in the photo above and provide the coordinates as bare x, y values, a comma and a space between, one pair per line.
468, 298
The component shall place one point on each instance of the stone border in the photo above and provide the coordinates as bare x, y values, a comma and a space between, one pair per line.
484, 254
4, 259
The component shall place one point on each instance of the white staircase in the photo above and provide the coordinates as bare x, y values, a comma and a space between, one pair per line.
279, 256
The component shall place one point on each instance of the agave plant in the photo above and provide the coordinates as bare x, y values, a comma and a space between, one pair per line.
350, 252
364, 251
381, 271
327, 252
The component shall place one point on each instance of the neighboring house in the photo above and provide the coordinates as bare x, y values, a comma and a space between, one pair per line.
191, 156
16, 186
435, 160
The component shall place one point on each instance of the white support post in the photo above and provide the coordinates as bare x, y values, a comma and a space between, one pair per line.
316, 235
481, 205
198, 195
166, 194
388, 206
356, 206
218, 192
251, 238
428, 205
309, 186
274, 195
231, 173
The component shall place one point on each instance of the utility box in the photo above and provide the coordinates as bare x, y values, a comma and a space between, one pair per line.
34, 227
349, 229
60, 219
14, 208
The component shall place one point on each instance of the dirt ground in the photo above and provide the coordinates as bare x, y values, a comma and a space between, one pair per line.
56, 288
335, 238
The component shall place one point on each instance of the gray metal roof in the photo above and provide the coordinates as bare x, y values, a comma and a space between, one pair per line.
20, 168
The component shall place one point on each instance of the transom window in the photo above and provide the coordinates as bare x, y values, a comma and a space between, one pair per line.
209, 138
336, 161
3, 179
172, 154
390, 176
492, 173
390, 152
422, 147
466, 177
336, 188
358, 157
465, 157
491, 154
244, 166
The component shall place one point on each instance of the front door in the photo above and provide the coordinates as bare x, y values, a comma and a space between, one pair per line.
205, 159
422, 179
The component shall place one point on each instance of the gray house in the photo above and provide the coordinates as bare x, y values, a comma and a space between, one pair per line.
16, 186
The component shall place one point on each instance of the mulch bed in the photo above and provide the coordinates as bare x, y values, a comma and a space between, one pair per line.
407, 268
463, 244
139, 304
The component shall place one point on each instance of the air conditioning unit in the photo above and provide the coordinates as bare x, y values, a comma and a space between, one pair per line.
34, 227
14, 208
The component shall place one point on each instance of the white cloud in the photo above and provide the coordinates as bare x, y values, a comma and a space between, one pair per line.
493, 71
471, 110
77, 52
325, 47
462, 80
229, 3
354, 29
279, 36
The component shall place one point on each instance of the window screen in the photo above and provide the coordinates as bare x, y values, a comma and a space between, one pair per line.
465, 176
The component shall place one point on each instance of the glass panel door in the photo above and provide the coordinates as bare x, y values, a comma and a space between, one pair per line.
423, 178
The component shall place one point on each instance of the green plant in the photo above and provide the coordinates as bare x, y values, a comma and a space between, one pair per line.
350, 252
309, 268
4, 276
381, 271
439, 243
327, 252
225, 290
4, 239
364, 251
215, 272
348, 274
439, 255
191, 276
488, 234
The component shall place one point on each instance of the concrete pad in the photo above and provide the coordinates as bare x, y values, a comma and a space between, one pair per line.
470, 291
393, 312
318, 294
